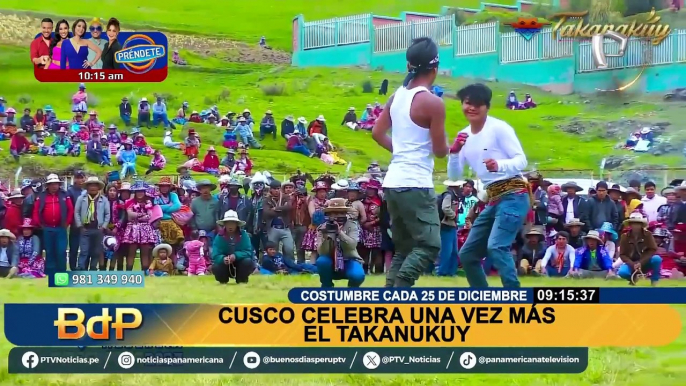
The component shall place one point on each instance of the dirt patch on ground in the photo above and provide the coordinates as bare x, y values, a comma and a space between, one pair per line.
21, 29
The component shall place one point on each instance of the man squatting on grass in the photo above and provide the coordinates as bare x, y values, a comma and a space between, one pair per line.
491, 148
418, 120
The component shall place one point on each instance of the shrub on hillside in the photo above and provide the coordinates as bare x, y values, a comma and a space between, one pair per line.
367, 87
224, 94
166, 97
274, 90
24, 99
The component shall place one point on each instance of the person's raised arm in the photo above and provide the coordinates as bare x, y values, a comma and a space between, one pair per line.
437, 127
382, 126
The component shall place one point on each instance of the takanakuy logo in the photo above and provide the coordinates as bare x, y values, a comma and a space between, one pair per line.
140, 53
527, 27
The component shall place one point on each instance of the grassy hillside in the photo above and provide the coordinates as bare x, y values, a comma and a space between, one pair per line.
307, 92
236, 20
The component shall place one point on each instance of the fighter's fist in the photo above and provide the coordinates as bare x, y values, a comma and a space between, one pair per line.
459, 142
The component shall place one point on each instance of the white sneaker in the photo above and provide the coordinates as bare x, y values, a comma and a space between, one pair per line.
13, 272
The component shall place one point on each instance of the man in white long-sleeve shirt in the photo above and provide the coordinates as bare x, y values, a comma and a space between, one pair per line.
652, 201
491, 148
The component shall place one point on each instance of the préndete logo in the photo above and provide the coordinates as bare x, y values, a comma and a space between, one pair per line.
139, 54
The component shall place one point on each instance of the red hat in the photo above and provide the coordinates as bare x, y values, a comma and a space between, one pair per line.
27, 223
191, 132
320, 185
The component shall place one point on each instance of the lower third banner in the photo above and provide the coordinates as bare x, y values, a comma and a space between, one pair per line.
218, 360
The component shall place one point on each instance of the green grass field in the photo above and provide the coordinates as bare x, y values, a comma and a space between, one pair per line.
664, 366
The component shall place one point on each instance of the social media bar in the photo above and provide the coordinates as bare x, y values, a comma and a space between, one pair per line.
217, 360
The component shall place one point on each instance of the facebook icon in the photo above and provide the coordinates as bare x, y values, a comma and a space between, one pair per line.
30, 360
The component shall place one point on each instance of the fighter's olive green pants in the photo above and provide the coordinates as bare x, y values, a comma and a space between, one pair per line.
416, 233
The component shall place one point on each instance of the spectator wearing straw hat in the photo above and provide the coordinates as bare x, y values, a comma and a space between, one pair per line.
267, 125
232, 251
593, 260
9, 254
637, 249
54, 212
92, 215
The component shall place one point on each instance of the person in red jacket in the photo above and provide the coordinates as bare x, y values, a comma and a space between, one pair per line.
19, 144
54, 212
211, 161
13, 217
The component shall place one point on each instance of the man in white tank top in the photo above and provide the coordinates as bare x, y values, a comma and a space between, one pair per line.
491, 148
418, 135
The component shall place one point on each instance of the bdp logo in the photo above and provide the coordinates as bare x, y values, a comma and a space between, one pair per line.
72, 323
140, 53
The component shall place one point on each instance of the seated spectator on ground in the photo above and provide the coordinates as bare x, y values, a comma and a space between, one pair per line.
162, 264
318, 126
287, 126
512, 103
368, 118
337, 241
93, 123
61, 144
530, 255
267, 125
529, 102
27, 122
592, 260
40, 118
673, 263
9, 255
296, 144
96, 152
157, 162
180, 118
637, 249
192, 144
248, 118
275, 263
244, 163
176, 59
168, 142
230, 138
211, 161
350, 119
144, 113
229, 160
127, 158
19, 144
232, 251
244, 130
195, 117
559, 257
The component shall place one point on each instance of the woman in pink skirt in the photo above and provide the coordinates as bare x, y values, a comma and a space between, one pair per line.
139, 233
370, 248
315, 207
31, 263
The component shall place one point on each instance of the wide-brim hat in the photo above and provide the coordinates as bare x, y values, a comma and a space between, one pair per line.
165, 181
667, 190
94, 181
139, 187
209, 183
321, 118
574, 223
636, 218
28, 223
594, 235
336, 205
53, 179
535, 232
16, 193
571, 185
8, 234
125, 186
290, 118
144, 99
629, 192
302, 120
231, 216
167, 247
616, 188
320, 185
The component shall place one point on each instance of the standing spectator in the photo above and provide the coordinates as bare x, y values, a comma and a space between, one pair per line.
652, 201
601, 208
92, 216
54, 211
205, 209
74, 192
574, 206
